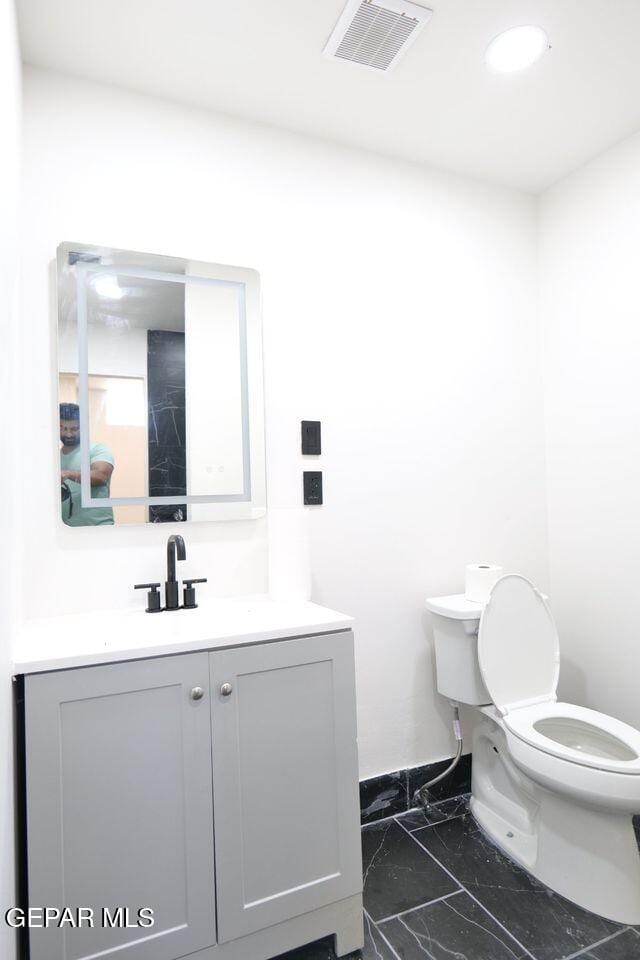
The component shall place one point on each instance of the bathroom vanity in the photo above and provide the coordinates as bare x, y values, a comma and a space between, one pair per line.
202, 765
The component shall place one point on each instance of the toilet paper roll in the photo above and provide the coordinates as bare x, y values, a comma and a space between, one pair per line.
289, 559
479, 579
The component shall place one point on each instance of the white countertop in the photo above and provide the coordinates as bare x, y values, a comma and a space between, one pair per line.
106, 636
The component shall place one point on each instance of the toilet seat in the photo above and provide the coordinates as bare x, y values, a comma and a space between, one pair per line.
518, 645
591, 739
519, 656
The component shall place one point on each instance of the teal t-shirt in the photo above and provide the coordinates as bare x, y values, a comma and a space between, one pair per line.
73, 513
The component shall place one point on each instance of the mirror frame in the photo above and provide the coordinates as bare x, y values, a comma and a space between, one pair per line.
83, 259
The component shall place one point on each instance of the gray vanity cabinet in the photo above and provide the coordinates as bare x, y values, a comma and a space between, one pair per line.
285, 789
147, 780
119, 806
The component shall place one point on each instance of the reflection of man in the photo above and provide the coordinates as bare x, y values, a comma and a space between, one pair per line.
101, 460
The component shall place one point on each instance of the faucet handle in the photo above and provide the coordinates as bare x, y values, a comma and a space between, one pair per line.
189, 593
153, 597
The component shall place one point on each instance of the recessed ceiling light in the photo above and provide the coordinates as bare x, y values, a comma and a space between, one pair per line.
516, 49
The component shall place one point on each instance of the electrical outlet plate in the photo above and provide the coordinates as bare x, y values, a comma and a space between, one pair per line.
312, 487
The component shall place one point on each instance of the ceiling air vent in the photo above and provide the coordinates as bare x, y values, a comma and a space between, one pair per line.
376, 34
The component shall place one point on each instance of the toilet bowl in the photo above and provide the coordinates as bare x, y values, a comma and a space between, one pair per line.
597, 765
554, 784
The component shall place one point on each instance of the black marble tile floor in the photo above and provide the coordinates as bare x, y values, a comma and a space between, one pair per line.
435, 888
397, 875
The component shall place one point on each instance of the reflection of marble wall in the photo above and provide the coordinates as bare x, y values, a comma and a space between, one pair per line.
167, 433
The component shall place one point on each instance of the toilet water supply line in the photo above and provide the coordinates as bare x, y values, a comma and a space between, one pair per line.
421, 795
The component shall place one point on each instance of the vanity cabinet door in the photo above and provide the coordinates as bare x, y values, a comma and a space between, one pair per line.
287, 832
119, 806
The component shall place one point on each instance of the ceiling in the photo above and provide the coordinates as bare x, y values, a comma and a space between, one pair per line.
262, 60
146, 304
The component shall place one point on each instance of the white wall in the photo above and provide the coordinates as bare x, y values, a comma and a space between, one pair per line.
590, 303
399, 308
9, 187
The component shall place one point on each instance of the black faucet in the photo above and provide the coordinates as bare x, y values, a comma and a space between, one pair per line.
175, 550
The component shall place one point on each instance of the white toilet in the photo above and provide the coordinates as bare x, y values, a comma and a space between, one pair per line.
553, 784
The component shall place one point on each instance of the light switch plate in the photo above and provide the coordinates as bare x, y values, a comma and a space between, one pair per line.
311, 437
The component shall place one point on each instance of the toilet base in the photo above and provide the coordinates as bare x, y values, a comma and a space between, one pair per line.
587, 854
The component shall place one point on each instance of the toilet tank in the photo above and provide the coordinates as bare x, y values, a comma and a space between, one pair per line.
455, 629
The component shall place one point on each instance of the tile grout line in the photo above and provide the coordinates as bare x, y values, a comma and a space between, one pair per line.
401, 813
468, 892
381, 934
391, 816
437, 803
436, 823
427, 903
592, 946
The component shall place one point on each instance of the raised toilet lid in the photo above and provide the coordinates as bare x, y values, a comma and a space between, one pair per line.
518, 646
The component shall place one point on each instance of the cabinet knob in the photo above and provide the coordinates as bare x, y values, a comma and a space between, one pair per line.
196, 693
226, 689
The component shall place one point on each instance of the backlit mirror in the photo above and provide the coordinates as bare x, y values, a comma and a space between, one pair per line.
160, 389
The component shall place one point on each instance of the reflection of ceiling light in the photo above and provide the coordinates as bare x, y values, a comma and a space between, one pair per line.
516, 49
108, 287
